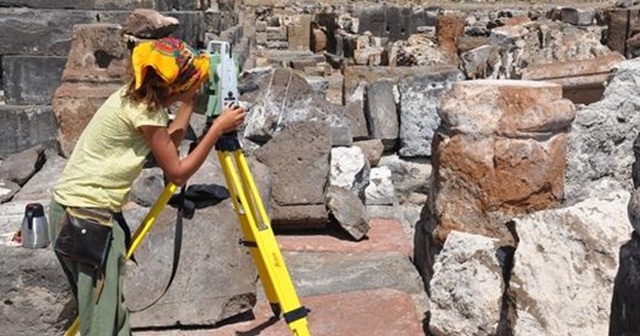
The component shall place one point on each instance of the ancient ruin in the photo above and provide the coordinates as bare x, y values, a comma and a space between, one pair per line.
430, 167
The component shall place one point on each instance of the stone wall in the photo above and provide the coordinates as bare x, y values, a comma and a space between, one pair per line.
35, 39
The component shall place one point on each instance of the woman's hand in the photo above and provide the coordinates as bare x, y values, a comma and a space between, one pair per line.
230, 118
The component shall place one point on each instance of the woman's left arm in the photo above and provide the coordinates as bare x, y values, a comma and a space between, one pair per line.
178, 127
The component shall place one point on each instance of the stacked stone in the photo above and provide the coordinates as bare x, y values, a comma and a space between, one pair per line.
35, 48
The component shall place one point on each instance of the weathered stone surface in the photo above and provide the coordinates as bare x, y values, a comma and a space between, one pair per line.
602, 135
409, 176
80, 4
582, 81
475, 61
147, 187
149, 24
448, 29
467, 286
39, 32
41, 184
357, 120
419, 97
7, 190
501, 151
36, 298
49, 32
372, 150
578, 16
285, 97
555, 259
74, 104
328, 272
380, 189
216, 275
318, 40
299, 161
31, 80
357, 77
349, 169
381, 112
299, 32
20, 167
97, 54
22, 127
393, 310
349, 211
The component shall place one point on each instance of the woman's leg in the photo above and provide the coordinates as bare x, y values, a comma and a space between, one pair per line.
101, 307
107, 315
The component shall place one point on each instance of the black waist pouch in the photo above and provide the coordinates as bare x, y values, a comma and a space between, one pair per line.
85, 236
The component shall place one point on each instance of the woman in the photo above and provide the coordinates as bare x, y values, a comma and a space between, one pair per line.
106, 160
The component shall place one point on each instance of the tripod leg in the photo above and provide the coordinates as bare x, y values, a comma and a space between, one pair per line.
265, 250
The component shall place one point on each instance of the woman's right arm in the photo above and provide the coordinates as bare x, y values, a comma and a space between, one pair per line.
166, 153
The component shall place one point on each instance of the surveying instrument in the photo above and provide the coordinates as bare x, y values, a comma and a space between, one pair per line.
222, 89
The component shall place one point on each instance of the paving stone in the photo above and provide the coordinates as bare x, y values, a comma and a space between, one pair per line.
384, 236
351, 314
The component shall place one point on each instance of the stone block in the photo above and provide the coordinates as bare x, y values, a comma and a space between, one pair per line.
621, 25
419, 98
177, 5
582, 81
318, 40
81, 4
334, 91
372, 19
22, 127
276, 34
74, 104
149, 24
216, 21
31, 79
261, 26
381, 112
308, 145
301, 63
39, 32
49, 32
261, 38
505, 162
299, 33
97, 54
577, 16
355, 76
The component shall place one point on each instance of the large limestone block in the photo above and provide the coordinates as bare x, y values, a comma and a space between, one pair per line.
467, 286
565, 265
500, 151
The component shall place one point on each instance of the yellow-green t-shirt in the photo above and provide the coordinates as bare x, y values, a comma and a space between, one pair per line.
108, 156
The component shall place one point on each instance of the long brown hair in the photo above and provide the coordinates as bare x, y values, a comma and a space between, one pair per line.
153, 92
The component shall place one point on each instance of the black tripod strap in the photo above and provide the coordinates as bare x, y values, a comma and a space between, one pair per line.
176, 251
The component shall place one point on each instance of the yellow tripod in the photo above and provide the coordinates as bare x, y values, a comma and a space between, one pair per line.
256, 228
